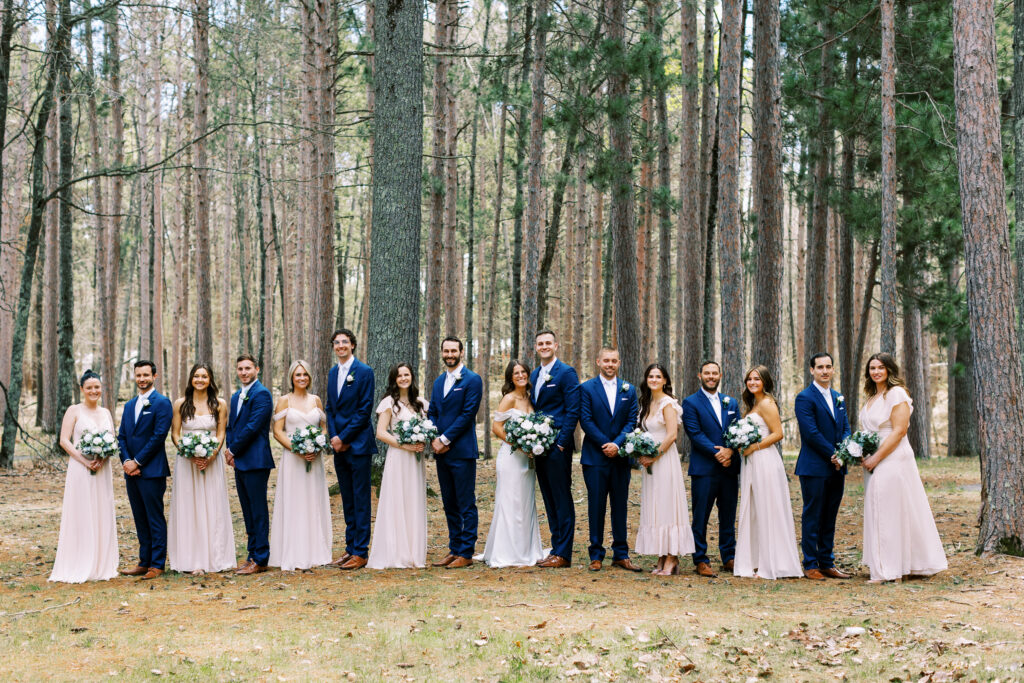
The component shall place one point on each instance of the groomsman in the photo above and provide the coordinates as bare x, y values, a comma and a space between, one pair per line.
714, 469
821, 414
350, 393
454, 402
608, 412
144, 425
248, 451
557, 393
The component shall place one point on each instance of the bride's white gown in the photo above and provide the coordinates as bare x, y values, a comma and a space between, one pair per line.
514, 537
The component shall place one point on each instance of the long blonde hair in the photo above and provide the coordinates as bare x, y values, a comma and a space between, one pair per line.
291, 372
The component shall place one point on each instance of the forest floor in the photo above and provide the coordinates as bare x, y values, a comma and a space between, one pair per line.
514, 624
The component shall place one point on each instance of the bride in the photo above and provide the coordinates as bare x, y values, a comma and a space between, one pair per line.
514, 538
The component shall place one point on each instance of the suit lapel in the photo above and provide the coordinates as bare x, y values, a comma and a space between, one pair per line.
710, 409
821, 400
130, 410
615, 398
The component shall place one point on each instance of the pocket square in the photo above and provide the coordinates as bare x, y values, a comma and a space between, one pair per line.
456, 388
145, 412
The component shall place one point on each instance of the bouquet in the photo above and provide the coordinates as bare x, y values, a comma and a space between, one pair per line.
415, 430
857, 446
308, 439
533, 434
640, 444
97, 445
742, 434
199, 444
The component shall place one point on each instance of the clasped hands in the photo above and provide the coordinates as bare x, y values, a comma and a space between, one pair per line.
723, 455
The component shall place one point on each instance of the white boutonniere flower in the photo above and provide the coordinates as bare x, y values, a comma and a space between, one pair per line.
625, 387
725, 400
545, 377
351, 378
145, 404
840, 399
458, 376
245, 398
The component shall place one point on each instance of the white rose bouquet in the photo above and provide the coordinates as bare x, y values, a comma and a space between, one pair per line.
640, 444
533, 434
308, 439
857, 446
200, 444
98, 445
742, 434
416, 430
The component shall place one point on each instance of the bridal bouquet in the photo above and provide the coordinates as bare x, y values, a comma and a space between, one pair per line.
640, 444
308, 439
742, 434
200, 444
857, 446
415, 430
97, 445
533, 434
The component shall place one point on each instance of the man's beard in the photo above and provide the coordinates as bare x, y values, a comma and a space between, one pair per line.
711, 388
451, 362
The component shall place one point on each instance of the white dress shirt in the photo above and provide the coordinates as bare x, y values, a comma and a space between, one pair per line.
140, 402
611, 388
241, 396
449, 378
716, 403
544, 370
826, 393
343, 373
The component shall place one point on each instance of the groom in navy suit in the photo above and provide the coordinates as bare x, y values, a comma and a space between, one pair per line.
144, 425
350, 394
821, 414
248, 451
608, 412
557, 393
714, 469
454, 402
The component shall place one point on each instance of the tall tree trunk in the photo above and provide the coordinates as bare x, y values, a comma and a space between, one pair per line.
66, 328
435, 242
108, 268
8, 231
663, 198
579, 265
889, 304
518, 206
454, 305
554, 226
204, 303
846, 280
47, 397
95, 164
1018, 157
915, 365
689, 330
963, 425
997, 363
710, 241
708, 115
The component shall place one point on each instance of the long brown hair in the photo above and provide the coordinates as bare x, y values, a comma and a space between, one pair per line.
395, 391
645, 391
892, 378
188, 406
509, 386
767, 384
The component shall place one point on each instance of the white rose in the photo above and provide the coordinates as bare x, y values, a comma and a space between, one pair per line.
428, 424
417, 429
538, 449
200, 452
321, 440
527, 425
855, 449
108, 437
629, 448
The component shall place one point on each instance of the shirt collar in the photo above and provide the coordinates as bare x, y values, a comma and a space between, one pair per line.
246, 387
825, 391
711, 397
547, 368
613, 382
344, 367
145, 396
456, 370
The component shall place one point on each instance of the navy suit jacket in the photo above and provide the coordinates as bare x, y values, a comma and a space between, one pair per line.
248, 433
820, 432
349, 416
454, 415
705, 433
143, 441
560, 398
600, 425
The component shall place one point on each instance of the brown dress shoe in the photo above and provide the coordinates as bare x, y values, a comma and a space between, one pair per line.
243, 565
459, 562
355, 562
341, 560
595, 565
834, 573
253, 568
627, 564
152, 573
444, 561
704, 569
139, 570
555, 562
728, 566
814, 575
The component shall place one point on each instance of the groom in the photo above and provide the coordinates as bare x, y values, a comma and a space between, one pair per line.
557, 393
454, 402
144, 425
821, 414
248, 451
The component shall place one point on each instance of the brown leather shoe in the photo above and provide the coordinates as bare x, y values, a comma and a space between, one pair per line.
459, 562
704, 569
341, 560
444, 561
835, 573
152, 573
595, 565
555, 562
253, 568
728, 566
139, 570
243, 565
355, 562
628, 565
814, 575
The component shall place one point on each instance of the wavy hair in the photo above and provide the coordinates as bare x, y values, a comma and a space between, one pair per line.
188, 406
892, 378
395, 392
509, 386
645, 391
767, 383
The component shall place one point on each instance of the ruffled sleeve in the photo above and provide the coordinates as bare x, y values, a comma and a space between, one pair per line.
896, 396
668, 400
280, 415
387, 403
426, 406
503, 415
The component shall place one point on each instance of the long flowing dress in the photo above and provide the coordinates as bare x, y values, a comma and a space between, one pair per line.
900, 537
300, 528
664, 513
87, 545
400, 534
199, 533
514, 537
766, 537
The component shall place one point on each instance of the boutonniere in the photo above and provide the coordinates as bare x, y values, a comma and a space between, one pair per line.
245, 398
625, 387
840, 399
725, 400
545, 376
458, 376
351, 378
145, 403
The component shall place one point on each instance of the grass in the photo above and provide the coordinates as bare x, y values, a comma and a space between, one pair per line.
509, 625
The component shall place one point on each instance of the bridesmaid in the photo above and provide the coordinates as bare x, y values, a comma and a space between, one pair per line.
199, 534
400, 536
900, 537
300, 529
664, 514
87, 545
766, 539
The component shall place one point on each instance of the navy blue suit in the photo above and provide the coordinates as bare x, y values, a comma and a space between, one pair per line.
248, 439
349, 417
821, 484
455, 418
606, 477
710, 482
559, 398
143, 442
